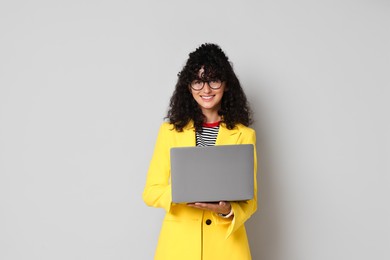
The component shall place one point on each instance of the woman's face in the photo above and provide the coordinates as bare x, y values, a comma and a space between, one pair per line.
208, 99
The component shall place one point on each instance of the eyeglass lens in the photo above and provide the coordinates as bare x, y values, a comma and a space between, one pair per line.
199, 84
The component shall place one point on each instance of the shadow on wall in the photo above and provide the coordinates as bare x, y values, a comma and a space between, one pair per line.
263, 227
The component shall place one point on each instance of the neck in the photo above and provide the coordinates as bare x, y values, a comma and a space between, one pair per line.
211, 116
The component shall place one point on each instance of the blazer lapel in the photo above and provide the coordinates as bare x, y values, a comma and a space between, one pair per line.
226, 136
187, 137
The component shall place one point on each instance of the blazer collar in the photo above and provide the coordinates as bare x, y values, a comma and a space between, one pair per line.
188, 135
225, 136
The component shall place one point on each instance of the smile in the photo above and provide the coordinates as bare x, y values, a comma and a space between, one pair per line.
206, 98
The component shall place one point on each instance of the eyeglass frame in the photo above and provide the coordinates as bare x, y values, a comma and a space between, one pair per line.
208, 83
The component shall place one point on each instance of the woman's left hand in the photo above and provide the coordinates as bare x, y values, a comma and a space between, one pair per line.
222, 207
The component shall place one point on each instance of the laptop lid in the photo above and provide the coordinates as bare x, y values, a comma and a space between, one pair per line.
215, 173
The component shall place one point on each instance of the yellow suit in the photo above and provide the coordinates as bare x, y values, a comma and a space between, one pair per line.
189, 233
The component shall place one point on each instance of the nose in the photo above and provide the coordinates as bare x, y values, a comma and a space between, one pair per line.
206, 88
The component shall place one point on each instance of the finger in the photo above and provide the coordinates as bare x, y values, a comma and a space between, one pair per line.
206, 206
201, 204
197, 205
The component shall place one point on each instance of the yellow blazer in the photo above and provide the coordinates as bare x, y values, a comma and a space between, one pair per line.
185, 233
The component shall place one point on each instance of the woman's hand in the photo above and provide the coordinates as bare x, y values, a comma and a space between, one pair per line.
222, 207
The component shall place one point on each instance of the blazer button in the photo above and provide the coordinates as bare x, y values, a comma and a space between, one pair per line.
208, 222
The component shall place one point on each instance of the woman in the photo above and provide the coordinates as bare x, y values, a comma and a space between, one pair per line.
208, 107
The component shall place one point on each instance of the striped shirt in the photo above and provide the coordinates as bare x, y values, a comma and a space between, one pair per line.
208, 136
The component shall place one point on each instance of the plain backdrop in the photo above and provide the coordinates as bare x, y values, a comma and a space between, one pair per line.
84, 86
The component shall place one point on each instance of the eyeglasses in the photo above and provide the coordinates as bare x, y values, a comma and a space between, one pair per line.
199, 84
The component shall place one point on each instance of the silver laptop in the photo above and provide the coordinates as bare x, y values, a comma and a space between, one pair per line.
210, 174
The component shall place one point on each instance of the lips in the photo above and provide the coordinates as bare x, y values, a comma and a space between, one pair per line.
207, 98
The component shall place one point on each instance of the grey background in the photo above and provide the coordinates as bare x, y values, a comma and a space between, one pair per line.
84, 86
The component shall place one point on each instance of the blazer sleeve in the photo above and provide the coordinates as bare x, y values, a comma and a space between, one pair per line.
157, 191
244, 210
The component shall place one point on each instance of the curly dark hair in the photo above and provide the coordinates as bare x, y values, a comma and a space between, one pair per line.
234, 105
